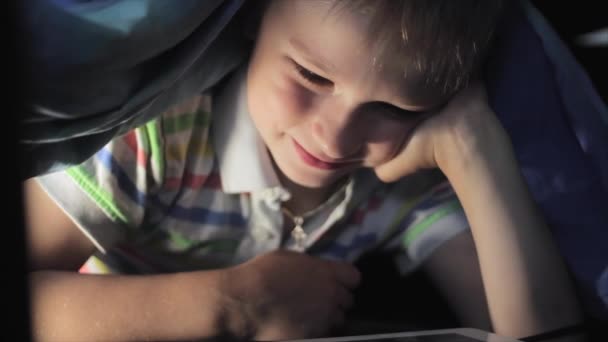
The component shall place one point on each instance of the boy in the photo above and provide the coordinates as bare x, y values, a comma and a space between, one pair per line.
214, 211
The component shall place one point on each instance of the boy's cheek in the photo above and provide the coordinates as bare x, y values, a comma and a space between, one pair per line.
292, 99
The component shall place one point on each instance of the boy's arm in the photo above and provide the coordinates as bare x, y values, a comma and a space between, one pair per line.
263, 298
54, 241
67, 306
454, 270
527, 287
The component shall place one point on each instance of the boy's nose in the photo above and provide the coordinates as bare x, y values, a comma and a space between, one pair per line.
337, 135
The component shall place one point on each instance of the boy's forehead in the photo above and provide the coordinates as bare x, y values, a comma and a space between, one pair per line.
318, 28
339, 39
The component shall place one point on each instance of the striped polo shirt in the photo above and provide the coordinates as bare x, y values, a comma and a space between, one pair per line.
193, 190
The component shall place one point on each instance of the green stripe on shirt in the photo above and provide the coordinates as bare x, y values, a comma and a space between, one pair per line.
103, 198
414, 232
402, 212
183, 243
156, 149
184, 122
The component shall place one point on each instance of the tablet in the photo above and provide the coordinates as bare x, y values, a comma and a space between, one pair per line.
443, 335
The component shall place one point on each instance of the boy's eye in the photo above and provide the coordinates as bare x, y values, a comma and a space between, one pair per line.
399, 113
311, 77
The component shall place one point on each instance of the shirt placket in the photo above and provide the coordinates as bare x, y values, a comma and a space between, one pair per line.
265, 223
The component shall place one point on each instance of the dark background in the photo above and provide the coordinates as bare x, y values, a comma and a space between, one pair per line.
377, 303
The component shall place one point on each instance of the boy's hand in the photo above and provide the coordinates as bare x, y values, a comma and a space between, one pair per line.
465, 128
286, 295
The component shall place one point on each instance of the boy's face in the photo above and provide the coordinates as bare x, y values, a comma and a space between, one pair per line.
321, 103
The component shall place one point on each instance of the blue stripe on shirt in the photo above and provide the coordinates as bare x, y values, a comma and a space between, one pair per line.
124, 182
340, 251
206, 216
193, 215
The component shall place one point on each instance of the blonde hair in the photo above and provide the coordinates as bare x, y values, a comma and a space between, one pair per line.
444, 41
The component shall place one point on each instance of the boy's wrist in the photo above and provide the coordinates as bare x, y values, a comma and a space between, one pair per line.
205, 305
234, 319
470, 146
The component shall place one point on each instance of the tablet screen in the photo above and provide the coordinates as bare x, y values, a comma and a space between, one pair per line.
441, 335
429, 338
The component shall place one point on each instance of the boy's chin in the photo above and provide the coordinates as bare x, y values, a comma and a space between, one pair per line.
312, 182
302, 177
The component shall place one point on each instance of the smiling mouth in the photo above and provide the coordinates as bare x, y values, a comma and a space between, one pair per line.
313, 161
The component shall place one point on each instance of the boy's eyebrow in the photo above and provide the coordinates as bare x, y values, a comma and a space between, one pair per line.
316, 60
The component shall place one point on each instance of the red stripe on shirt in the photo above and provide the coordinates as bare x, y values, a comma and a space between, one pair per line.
131, 140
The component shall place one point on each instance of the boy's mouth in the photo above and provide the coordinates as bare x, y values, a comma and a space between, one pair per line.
313, 161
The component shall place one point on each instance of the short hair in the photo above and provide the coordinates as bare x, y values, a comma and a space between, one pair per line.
443, 41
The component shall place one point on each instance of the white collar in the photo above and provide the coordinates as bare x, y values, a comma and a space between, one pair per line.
243, 161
